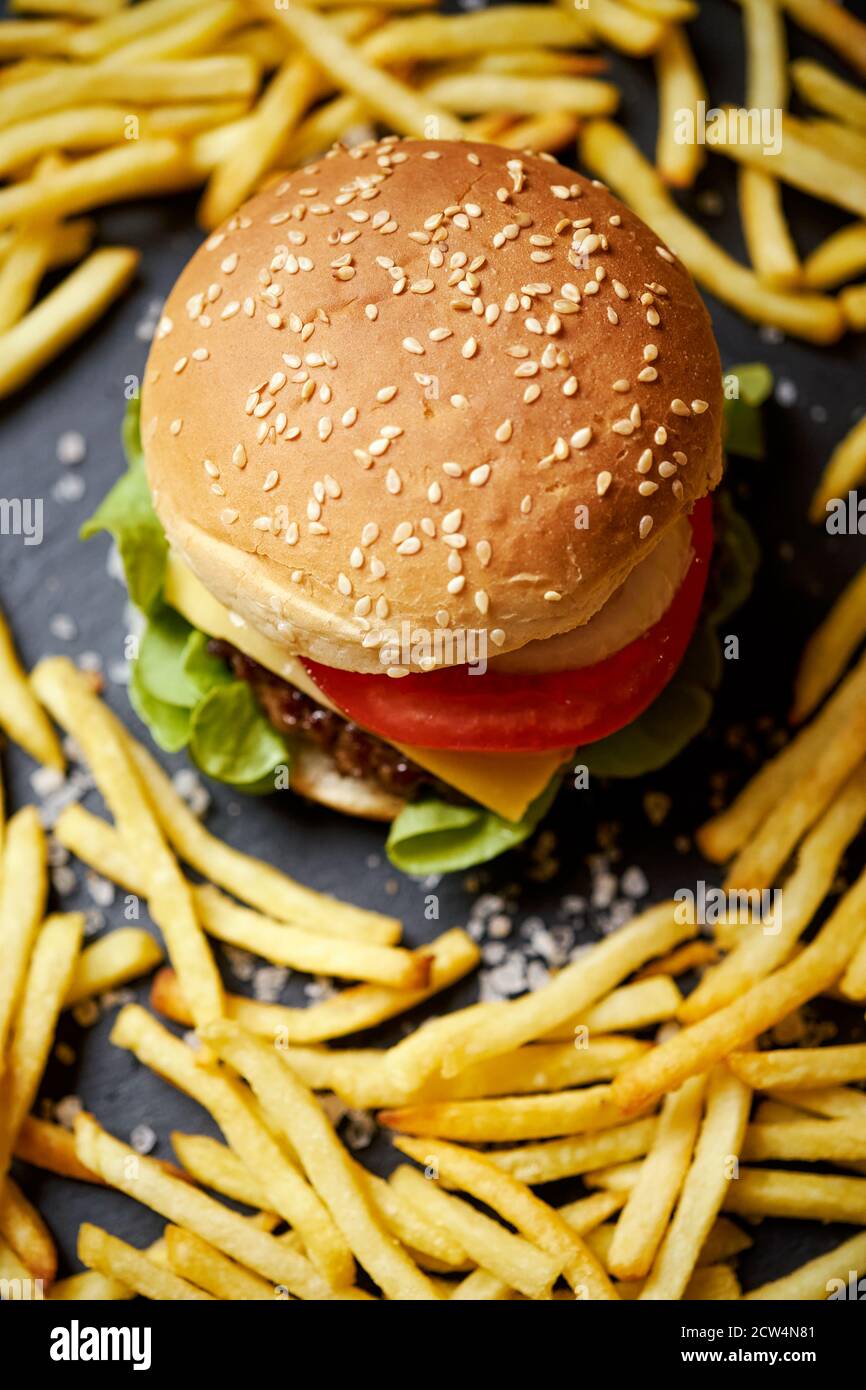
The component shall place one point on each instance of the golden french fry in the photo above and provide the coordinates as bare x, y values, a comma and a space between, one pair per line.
479, 92
23, 891
51, 966
23, 1229
63, 315
50, 1146
509, 1117
22, 38
120, 956
197, 32
300, 1117
454, 955
117, 1260
610, 154
729, 831
623, 27
814, 1280
64, 691
847, 468
91, 41
288, 1192
697, 1048
833, 1102
810, 1141
207, 1268
824, 170
704, 1187
133, 170
643, 1220
853, 302
838, 28
77, 9
213, 1164
808, 1196
631, 1006
514, 1260
574, 989
390, 99
681, 88
431, 37
564, 1158
475, 1174
540, 133
83, 128
144, 1179
20, 714
830, 648
756, 952
765, 229
829, 93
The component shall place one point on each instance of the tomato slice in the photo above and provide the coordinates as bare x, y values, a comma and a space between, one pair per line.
499, 712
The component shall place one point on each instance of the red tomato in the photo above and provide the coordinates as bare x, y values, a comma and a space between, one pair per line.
510, 713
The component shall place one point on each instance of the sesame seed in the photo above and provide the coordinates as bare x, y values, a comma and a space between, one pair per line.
645, 462
434, 492
239, 456
646, 525
652, 318
581, 437
228, 516
271, 481
699, 407
552, 596
622, 385
262, 523
469, 348
647, 374
622, 427
667, 469
526, 504
478, 477
661, 435
410, 546
387, 393
393, 481
650, 352
451, 522
679, 407
412, 345
647, 488
503, 432
677, 489
603, 482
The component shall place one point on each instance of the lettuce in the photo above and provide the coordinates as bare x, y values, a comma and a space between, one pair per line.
432, 836
185, 696
744, 428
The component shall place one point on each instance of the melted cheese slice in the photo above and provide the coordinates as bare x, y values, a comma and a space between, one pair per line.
503, 782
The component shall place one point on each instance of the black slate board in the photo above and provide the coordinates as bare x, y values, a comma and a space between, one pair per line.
819, 395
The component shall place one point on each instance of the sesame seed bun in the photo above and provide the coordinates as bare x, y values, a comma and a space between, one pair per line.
429, 382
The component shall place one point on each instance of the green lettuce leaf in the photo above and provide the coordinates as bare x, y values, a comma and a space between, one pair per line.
161, 656
744, 427
201, 669
127, 514
231, 740
169, 724
433, 836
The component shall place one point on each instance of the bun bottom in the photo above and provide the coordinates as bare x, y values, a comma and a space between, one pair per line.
315, 776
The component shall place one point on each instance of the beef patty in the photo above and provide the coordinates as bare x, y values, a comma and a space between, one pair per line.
355, 752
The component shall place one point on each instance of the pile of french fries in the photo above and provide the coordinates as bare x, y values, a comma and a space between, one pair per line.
102, 101
671, 1136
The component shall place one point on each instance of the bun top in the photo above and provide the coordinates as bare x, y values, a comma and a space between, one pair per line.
430, 382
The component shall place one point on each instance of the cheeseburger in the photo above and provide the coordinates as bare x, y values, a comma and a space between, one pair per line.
430, 431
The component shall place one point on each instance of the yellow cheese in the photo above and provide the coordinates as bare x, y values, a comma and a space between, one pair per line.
503, 782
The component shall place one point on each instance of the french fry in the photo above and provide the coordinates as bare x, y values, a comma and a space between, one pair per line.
838, 28
482, 1286
63, 315
826, 172
833, 1102
50, 1146
807, 1196
725, 1241
288, 1192
429, 37
207, 1268
623, 27
515, 1261
758, 862
117, 1260
213, 1164
704, 1187
620, 1178
681, 87
565, 1158
546, 132
630, 1007
77, 9
509, 1117
830, 648
853, 302
191, 34
812, 1141
847, 468
93, 40
813, 1280
475, 1174
146, 84
248, 878
574, 989
454, 955
643, 1220
479, 92
768, 239
63, 690
729, 831
83, 128
143, 1179
192, 118
299, 1116
757, 952
609, 153
829, 93
133, 170
326, 124
23, 890
668, 11
51, 968
801, 1068
388, 98
20, 714
22, 38
15, 1275
25, 1231
693, 956
696, 1048
116, 958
